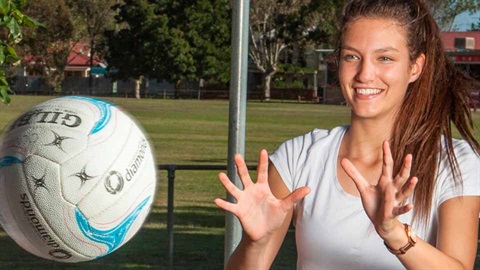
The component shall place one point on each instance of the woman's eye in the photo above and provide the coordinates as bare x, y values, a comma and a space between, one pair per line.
350, 57
384, 58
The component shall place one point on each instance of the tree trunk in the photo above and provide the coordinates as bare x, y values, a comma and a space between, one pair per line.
90, 78
137, 89
56, 82
267, 79
177, 86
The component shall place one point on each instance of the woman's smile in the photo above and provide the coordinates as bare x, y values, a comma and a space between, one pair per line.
367, 93
375, 67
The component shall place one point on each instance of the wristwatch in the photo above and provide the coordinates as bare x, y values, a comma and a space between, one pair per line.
412, 240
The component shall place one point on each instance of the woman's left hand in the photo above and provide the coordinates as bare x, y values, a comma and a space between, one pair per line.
385, 201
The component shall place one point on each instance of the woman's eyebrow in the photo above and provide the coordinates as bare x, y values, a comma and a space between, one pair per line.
381, 50
386, 49
350, 49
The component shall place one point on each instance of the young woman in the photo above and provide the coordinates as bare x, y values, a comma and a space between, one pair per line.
391, 190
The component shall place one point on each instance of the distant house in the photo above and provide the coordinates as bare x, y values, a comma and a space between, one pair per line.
78, 63
463, 49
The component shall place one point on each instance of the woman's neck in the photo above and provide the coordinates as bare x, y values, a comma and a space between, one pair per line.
364, 139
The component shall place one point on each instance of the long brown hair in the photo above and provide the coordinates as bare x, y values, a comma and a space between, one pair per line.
438, 98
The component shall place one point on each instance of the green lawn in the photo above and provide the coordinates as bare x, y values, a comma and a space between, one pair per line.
189, 132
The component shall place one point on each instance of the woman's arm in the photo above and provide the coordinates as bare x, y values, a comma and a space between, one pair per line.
252, 255
456, 242
383, 203
265, 210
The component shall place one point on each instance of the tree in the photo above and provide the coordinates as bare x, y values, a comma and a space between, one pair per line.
95, 17
171, 40
11, 21
50, 47
445, 11
278, 25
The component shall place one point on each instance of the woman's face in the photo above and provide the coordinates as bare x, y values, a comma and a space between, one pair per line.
375, 67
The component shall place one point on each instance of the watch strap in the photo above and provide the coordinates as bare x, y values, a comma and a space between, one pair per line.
402, 250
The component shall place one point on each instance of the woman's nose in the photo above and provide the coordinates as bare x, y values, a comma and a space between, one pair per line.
366, 71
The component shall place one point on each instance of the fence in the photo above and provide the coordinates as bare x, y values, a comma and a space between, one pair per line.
105, 87
33, 85
101, 86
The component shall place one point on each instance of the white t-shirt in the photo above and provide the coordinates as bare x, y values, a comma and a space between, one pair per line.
332, 228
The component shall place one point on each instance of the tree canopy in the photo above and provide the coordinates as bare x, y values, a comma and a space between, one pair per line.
171, 40
48, 48
11, 21
278, 25
445, 11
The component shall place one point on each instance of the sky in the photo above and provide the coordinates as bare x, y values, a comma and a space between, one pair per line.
463, 22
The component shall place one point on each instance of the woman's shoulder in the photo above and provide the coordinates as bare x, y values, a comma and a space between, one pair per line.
463, 148
468, 162
316, 136
315, 141
464, 154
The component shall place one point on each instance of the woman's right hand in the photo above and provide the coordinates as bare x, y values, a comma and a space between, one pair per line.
257, 209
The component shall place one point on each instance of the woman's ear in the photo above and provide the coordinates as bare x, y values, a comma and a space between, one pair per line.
417, 67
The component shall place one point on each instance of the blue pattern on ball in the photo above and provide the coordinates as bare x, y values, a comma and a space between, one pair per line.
103, 107
9, 160
113, 237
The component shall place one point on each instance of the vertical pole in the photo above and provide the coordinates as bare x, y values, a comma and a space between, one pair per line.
237, 119
170, 217
325, 83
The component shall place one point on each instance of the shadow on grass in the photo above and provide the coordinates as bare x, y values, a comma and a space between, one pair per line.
198, 244
143, 251
199, 240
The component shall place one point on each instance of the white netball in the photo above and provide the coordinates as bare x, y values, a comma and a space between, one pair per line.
77, 179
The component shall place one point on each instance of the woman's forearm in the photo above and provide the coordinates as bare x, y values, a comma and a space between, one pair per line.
248, 256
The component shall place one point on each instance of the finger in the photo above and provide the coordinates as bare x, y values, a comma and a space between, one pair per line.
408, 189
356, 176
387, 167
227, 206
242, 171
402, 209
294, 197
262, 169
229, 186
405, 171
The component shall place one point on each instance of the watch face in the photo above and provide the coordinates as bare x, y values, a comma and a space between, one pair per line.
412, 234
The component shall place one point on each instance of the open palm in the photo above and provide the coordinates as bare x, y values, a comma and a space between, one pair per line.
258, 210
385, 201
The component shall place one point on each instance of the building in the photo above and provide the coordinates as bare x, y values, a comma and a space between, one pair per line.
463, 49
78, 63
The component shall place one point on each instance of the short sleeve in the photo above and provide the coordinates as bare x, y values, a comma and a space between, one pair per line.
289, 158
469, 165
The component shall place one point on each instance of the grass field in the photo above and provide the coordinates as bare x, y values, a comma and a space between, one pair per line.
189, 132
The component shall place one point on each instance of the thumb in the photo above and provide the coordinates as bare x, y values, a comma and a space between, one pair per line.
294, 197
355, 175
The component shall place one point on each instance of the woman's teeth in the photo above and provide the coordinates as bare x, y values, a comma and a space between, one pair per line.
367, 91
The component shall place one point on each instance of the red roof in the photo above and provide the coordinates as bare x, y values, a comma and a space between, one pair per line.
449, 39
77, 59
78, 56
